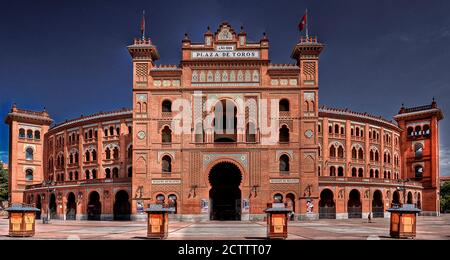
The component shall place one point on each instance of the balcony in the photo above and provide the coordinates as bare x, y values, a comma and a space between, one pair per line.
347, 180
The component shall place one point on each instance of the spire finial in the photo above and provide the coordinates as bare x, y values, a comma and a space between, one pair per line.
143, 24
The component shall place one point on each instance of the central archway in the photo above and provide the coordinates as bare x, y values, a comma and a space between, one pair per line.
354, 206
71, 213
225, 194
122, 206
94, 209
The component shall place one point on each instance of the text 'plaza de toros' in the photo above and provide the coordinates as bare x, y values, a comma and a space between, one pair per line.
220, 136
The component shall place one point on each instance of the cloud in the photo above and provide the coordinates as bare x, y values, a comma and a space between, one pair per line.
445, 161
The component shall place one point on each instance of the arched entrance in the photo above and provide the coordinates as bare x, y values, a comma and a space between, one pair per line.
94, 209
225, 194
395, 199
71, 208
419, 201
52, 206
354, 206
377, 205
290, 201
327, 207
38, 206
410, 198
122, 206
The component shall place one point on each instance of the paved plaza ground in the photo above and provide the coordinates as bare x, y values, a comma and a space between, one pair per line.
427, 228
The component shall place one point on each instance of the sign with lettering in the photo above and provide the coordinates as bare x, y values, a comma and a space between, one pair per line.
284, 181
165, 182
251, 54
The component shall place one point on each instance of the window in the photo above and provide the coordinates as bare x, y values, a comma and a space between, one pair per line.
354, 173
22, 133
336, 129
419, 172
30, 134
88, 175
341, 172
377, 174
94, 174
70, 176
166, 164
111, 130
108, 154
332, 151
251, 133
76, 157
418, 150
284, 105
130, 130
167, 135
371, 174
332, 171
426, 130
115, 173
37, 135
319, 128
29, 175
106, 132
71, 159
130, 152
108, 173
354, 153
278, 198
94, 155
284, 134
160, 199
88, 156
341, 152
130, 172
91, 134
116, 153
284, 163
76, 176
360, 154
360, 173
418, 131
29, 153
377, 156
167, 106
118, 131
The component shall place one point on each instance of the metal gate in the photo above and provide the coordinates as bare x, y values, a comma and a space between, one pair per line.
354, 212
327, 212
378, 212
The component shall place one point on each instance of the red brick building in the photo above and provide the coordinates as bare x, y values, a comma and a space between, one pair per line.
220, 136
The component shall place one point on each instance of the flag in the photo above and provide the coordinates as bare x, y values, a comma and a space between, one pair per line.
304, 22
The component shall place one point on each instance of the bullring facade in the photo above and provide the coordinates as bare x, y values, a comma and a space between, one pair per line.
248, 133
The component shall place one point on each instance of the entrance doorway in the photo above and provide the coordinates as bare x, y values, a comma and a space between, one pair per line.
354, 206
94, 209
52, 206
71, 213
225, 194
38, 206
122, 206
327, 207
378, 205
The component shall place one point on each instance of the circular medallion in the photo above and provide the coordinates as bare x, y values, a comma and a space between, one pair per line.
309, 134
141, 135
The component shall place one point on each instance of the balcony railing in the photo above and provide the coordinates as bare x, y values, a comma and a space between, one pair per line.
367, 180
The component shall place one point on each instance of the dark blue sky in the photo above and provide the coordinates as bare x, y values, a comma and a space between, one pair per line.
70, 56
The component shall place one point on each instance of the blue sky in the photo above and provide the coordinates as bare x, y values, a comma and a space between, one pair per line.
70, 56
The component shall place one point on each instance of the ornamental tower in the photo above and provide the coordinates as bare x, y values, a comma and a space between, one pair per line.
26, 148
307, 53
420, 153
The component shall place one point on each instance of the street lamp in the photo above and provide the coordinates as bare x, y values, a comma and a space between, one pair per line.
48, 184
403, 189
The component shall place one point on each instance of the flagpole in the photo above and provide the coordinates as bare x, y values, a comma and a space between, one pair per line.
143, 25
307, 24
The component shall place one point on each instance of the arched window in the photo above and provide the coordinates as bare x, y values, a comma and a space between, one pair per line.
377, 174
29, 153
76, 157
115, 173
418, 131
88, 175
284, 105
70, 176
278, 198
130, 152
284, 134
116, 153
251, 133
336, 129
354, 153
330, 129
94, 174
118, 131
111, 130
341, 172
30, 134
342, 131
22, 133
106, 132
426, 130
130, 130
37, 135
354, 172
319, 171
167, 106
29, 175
419, 172
71, 158
360, 154
332, 151
76, 176
332, 171
130, 172
108, 173
88, 156
108, 154
360, 173
341, 152
160, 199
94, 155
166, 135
357, 131
319, 128
377, 156
371, 174
91, 134
166, 164
418, 150
284, 163
372, 155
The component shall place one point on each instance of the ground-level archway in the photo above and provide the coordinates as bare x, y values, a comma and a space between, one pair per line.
327, 207
122, 206
395, 199
94, 208
378, 205
52, 206
354, 205
71, 207
38, 206
225, 194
